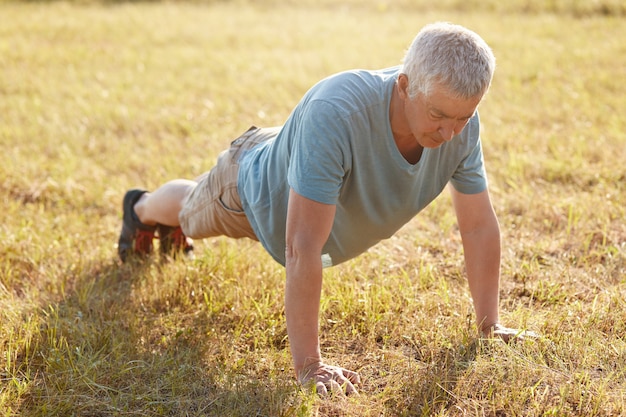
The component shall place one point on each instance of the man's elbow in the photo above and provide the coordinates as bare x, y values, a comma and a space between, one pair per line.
299, 252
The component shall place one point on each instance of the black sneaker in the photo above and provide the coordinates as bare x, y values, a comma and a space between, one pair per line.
136, 237
174, 242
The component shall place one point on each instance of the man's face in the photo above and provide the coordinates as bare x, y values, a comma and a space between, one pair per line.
436, 119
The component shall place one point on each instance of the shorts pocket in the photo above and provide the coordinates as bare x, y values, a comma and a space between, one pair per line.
230, 201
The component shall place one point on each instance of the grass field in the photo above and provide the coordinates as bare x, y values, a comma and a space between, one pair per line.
96, 98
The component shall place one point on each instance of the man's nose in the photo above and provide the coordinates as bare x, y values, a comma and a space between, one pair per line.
447, 130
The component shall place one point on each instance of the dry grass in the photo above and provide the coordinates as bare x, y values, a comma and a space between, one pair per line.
96, 98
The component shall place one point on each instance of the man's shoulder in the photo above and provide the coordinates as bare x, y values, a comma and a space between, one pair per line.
363, 76
353, 90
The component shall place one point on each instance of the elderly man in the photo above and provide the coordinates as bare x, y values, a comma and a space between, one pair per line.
360, 155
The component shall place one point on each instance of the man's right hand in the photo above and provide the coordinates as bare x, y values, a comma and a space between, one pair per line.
329, 378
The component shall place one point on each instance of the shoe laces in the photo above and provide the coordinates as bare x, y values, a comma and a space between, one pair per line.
143, 241
179, 240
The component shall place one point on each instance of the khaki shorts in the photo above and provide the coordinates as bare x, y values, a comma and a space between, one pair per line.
214, 208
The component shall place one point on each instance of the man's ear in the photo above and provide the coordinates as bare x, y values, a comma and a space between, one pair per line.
403, 86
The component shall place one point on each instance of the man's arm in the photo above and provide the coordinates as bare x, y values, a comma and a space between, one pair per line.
308, 227
480, 233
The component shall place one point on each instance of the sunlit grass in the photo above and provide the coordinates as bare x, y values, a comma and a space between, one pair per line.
99, 97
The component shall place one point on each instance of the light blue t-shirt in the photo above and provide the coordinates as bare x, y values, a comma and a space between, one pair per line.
337, 148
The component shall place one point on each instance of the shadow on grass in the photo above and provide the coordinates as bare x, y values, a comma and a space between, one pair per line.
129, 339
430, 388
106, 349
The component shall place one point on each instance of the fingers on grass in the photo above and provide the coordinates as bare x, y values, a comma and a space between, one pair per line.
338, 384
352, 376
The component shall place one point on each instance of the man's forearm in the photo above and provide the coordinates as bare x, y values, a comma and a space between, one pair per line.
302, 300
482, 260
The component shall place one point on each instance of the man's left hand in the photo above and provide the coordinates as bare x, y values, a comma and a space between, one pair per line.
508, 334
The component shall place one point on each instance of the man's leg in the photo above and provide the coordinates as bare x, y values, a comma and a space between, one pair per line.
209, 206
163, 205
146, 213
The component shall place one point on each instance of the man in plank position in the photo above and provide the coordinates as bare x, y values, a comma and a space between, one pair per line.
360, 155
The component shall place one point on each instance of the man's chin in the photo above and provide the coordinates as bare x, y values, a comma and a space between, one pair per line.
431, 142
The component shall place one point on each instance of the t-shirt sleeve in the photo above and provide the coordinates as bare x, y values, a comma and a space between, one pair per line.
318, 165
470, 176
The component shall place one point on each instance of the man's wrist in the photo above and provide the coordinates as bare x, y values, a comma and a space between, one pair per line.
488, 329
308, 367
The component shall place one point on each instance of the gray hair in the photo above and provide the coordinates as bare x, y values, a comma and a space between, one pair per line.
451, 56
